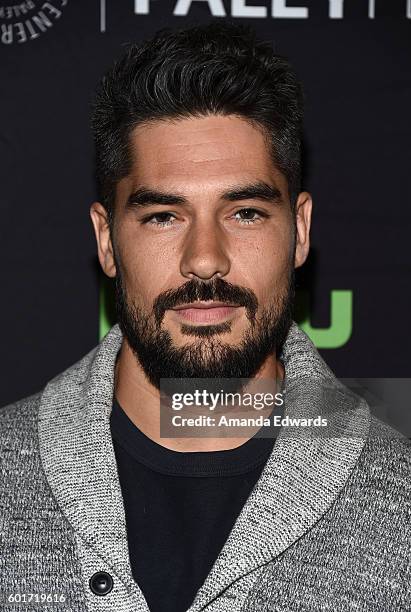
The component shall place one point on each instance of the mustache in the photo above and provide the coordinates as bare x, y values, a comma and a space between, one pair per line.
216, 290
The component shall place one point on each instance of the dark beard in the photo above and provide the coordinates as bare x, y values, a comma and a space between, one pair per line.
209, 357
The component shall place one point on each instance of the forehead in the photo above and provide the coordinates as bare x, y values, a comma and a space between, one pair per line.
200, 152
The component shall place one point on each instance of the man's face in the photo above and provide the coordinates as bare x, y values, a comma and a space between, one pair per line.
203, 248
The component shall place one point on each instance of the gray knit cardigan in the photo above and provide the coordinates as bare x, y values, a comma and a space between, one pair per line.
326, 527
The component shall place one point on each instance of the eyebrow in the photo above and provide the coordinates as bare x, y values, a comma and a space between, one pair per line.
259, 190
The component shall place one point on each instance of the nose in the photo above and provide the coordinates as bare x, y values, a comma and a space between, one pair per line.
204, 252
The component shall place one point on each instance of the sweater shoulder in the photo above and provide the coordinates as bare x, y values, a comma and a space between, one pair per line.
19, 448
20, 414
381, 479
386, 447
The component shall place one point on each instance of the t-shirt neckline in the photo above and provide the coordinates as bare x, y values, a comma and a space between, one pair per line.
241, 460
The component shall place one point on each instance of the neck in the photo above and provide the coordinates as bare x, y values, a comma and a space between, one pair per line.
140, 400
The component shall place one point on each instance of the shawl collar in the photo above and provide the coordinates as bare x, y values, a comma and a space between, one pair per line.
300, 481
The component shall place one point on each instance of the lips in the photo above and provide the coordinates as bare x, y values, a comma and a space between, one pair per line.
206, 312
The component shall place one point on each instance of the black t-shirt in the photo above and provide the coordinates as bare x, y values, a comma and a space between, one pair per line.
180, 508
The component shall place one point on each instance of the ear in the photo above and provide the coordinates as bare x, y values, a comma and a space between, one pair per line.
99, 217
303, 210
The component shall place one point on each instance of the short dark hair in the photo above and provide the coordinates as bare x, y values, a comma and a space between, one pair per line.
220, 68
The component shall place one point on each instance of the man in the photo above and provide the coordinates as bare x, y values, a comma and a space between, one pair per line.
201, 221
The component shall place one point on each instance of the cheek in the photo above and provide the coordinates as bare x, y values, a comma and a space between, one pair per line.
135, 270
146, 268
264, 263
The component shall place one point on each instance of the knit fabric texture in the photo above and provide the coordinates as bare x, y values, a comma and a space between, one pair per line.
326, 527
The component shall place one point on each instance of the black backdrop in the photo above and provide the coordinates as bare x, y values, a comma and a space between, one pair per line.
354, 57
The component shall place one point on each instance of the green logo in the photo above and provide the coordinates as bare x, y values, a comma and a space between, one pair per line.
339, 331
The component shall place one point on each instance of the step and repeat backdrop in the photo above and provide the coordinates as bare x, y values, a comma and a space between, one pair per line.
354, 58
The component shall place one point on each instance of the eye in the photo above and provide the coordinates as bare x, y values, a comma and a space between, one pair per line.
248, 216
161, 219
